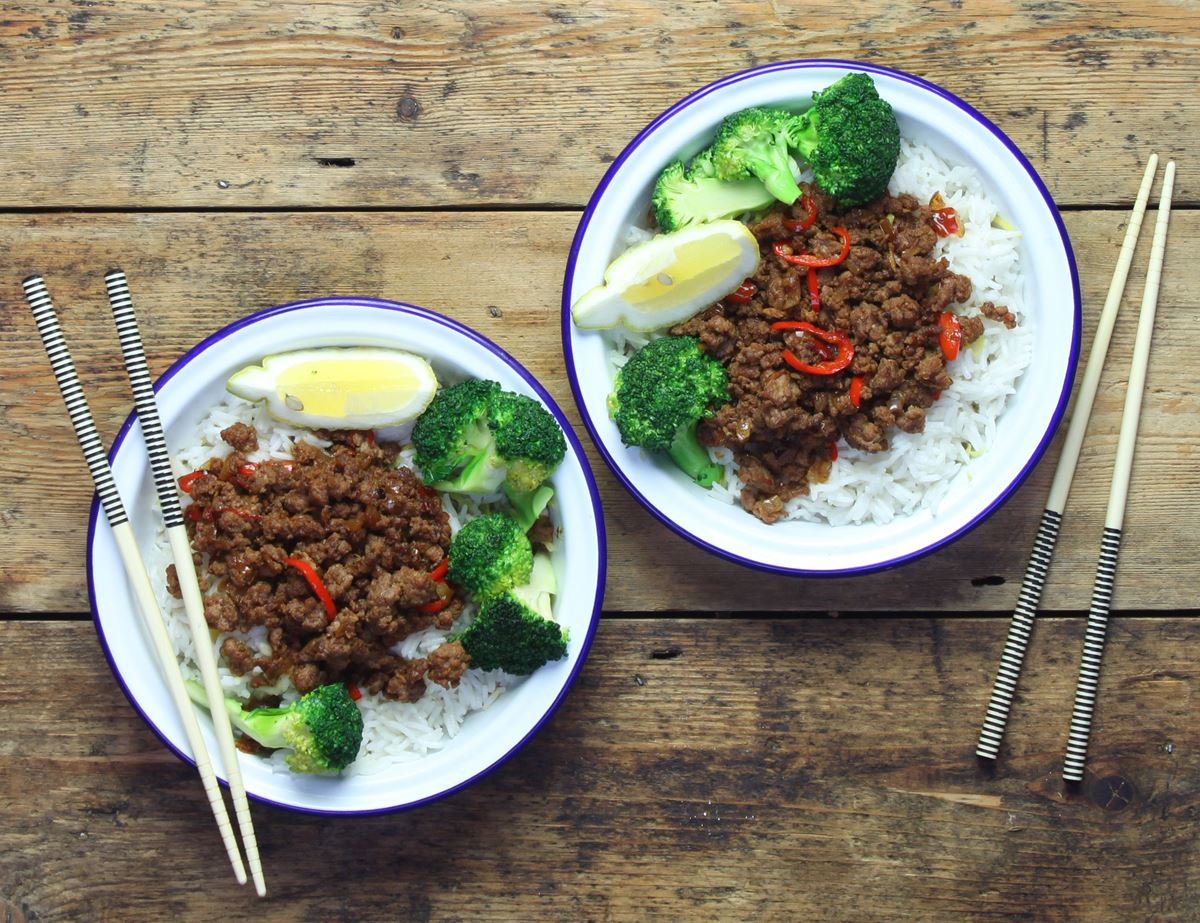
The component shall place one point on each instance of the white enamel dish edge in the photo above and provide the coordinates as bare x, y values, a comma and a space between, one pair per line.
953, 129
197, 382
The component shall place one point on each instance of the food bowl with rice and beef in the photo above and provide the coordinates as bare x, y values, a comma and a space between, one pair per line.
821, 317
399, 544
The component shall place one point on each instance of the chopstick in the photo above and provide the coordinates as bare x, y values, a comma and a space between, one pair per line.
1106, 568
1020, 629
181, 552
135, 569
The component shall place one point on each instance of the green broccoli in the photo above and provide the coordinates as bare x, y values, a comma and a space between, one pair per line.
663, 391
851, 140
530, 440
695, 194
489, 555
474, 438
515, 631
451, 435
754, 142
323, 728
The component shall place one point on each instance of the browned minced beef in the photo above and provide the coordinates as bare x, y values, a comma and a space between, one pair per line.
998, 313
371, 531
241, 436
173, 582
783, 425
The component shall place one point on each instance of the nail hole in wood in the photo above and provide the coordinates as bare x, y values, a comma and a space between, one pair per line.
335, 161
665, 653
994, 580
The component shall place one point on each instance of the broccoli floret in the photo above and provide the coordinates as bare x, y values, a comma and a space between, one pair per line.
452, 434
528, 438
663, 391
530, 442
754, 142
323, 728
489, 555
515, 631
475, 438
851, 140
695, 194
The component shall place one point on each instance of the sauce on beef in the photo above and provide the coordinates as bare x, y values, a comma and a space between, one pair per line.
782, 425
370, 530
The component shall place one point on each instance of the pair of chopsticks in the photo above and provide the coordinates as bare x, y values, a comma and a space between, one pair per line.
114, 510
1021, 626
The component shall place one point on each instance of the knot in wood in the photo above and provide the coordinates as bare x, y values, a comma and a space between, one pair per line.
1112, 793
407, 108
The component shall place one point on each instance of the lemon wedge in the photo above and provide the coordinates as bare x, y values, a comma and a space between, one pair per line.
667, 279
354, 387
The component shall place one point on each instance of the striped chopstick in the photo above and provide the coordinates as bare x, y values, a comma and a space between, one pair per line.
135, 569
1020, 628
1106, 569
181, 552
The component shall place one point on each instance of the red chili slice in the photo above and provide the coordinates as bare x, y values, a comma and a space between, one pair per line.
833, 451
353, 691
856, 387
944, 222
309, 573
186, 482
835, 338
439, 572
796, 225
784, 252
743, 294
950, 334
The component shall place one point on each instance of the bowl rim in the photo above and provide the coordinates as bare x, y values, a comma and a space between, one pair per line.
426, 314
806, 64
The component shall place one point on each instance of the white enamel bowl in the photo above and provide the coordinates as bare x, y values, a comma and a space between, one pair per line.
189, 389
927, 114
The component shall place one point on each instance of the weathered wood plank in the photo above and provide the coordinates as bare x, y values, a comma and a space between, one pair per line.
238, 103
193, 273
773, 770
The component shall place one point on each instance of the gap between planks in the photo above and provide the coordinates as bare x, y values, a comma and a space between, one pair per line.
841, 615
477, 207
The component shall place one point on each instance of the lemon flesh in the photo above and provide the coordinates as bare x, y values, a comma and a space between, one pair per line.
667, 279
339, 388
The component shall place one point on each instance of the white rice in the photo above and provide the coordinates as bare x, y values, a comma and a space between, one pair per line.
917, 469
393, 732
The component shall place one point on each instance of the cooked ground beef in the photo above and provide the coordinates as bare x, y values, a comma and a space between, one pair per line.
783, 425
241, 436
371, 531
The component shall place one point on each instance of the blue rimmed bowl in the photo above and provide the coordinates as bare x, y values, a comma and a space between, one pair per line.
929, 115
186, 393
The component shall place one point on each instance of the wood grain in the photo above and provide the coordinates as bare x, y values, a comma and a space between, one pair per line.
771, 770
501, 273
256, 102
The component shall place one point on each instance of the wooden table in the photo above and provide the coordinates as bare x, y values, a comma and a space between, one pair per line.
739, 746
